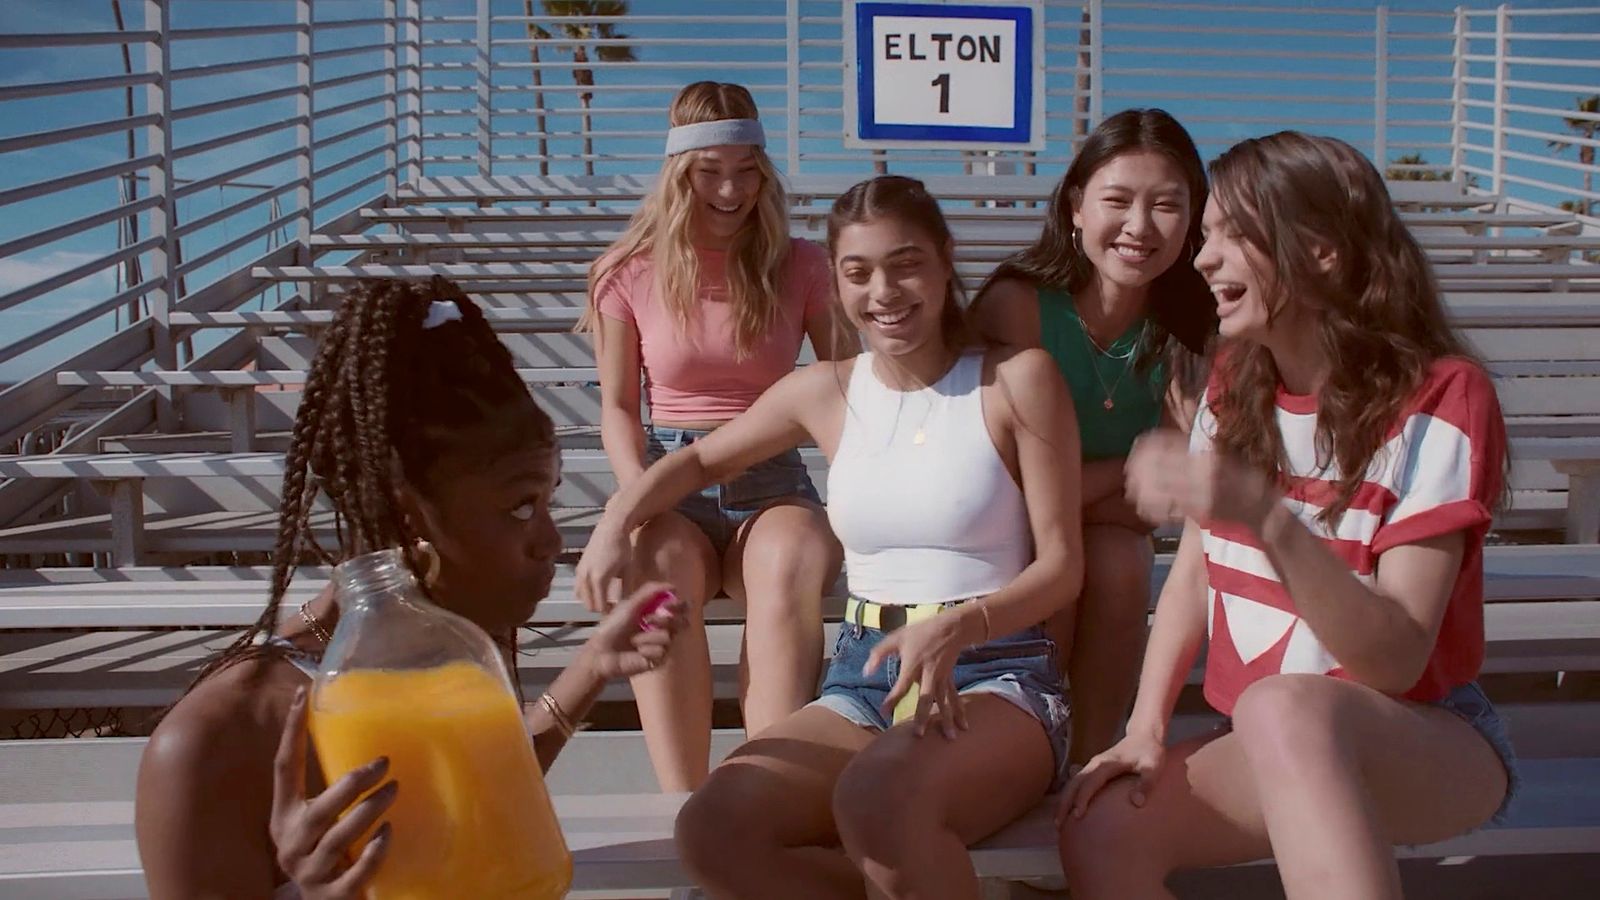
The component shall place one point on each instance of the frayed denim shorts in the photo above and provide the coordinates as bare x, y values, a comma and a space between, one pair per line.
1021, 668
721, 509
1470, 703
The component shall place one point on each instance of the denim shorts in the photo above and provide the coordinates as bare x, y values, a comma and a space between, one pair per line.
1470, 703
721, 509
1020, 668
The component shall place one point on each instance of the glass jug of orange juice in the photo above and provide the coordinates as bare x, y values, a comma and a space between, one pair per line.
405, 679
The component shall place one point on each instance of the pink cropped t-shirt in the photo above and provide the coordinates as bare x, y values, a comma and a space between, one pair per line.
693, 374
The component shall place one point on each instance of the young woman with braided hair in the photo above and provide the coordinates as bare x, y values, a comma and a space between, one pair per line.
416, 427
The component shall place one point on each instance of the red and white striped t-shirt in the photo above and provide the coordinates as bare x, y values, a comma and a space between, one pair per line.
1441, 471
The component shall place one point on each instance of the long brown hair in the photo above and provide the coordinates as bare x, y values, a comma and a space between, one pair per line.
383, 390
660, 229
906, 200
1181, 305
1377, 315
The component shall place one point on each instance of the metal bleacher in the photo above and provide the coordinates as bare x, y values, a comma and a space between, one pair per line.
140, 464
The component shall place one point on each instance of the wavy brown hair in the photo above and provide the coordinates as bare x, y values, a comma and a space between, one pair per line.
660, 229
1377, 315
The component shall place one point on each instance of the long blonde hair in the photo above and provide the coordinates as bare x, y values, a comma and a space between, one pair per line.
661, 229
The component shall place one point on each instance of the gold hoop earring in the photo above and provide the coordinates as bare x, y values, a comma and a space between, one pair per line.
1077, 241
429, 557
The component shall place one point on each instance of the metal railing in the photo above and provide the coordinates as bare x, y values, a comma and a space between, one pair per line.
164, 157
1527, 113
235, 141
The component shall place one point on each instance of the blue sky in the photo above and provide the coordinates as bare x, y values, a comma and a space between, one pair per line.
1187, 46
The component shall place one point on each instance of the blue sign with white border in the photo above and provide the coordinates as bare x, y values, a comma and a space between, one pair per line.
944, 75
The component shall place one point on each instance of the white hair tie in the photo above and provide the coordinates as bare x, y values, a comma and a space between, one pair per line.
440, 312
700, 135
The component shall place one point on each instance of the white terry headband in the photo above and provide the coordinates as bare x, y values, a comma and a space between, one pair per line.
701, 135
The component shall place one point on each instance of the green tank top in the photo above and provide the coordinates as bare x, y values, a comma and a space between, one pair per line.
1115, 403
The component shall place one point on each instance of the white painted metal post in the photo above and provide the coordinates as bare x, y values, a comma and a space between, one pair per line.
1097, 64
791, 121
158, 141
127, 515
1458, 101
391, 107
1501, 40
411, 41
305, 163
484, 131
1380, 88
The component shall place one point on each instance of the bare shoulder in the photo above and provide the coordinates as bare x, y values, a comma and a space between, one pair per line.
1030, 387
1008, 313
1024, 368
215, 747
206, 776
819, 378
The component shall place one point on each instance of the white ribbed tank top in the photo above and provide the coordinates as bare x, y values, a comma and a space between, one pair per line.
924, 522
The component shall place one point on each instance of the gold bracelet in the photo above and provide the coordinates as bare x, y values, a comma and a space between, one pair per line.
984, 608
557, 715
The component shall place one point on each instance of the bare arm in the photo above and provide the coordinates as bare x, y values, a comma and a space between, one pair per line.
1175, 636
1046, 431
1008, 313
1382, 635
203, 804
774, 423
1102, 480
617, 353
787, 414
575, 690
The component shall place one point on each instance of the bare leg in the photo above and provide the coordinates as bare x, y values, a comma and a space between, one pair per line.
783, 561
908, 807
1335, 773
1107, 645
675, 700
762, 825
1354, 772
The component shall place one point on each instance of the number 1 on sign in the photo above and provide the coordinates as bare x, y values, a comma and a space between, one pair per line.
943, 84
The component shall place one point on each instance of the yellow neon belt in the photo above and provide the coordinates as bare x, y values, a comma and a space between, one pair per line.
887, 617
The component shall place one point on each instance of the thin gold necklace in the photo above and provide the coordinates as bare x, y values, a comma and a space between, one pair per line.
920, 436
1110, 402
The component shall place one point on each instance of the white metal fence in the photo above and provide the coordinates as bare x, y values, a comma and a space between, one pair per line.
154, 163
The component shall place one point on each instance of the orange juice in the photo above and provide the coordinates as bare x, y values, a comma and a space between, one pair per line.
472, 818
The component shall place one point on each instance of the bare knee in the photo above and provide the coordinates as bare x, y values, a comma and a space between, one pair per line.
673, 549
789, 541
716, 828
880, 807
1110, 841
1283, 721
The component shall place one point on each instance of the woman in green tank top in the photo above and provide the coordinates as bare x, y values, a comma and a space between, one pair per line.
1110, 291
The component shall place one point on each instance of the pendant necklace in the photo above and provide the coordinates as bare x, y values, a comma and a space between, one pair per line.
1126, 356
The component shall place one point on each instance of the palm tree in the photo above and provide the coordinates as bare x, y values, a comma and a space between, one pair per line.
581, 36
1395, 173
1586, 128
537, 32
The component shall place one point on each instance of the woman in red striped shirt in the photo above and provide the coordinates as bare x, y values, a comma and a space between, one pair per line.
1335, 493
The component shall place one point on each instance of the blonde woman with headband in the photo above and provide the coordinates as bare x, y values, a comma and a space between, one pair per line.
698, 308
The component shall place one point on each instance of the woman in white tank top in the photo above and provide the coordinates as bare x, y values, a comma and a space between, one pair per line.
941, 717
